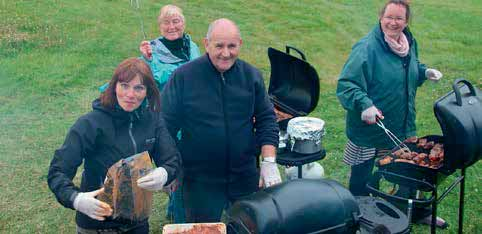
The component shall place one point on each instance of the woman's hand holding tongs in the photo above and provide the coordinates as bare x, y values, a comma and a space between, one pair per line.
393, 137
371, 114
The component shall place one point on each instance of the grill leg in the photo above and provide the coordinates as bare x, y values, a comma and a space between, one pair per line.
434, 212
461, 201
300, 172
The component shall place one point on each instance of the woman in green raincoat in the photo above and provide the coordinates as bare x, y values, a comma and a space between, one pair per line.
379, 81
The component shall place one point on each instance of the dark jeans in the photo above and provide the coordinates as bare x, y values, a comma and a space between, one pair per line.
360, 174
175, 207
204, 202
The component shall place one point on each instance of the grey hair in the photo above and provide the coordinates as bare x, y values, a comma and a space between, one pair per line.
213, 24
169, 10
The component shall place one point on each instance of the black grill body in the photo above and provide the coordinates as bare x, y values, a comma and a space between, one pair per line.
297, 206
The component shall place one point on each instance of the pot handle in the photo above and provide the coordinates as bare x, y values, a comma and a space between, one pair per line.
297, 50
456, 89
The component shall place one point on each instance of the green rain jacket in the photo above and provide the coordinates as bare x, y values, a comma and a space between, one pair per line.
374, 75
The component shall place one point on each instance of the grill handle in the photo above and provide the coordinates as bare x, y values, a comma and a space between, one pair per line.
374, 188
456, 89
297, 50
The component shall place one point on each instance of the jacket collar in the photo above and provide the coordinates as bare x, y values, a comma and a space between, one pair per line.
213, 68
119, 113
164, 55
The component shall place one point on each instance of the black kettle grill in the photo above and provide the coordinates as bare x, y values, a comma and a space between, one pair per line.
294, 87
296, 206
459, 115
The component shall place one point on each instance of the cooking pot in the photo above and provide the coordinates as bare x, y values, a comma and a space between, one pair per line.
305, 135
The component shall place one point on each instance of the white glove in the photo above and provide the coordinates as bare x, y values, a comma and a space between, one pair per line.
146, 50
87, 204
154, 181
269, 173
433, 74
370, 115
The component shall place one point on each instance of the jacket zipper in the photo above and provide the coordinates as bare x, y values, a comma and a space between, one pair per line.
226, 129
131, 136
406, 65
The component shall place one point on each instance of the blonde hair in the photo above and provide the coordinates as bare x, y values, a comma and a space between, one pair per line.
169, 10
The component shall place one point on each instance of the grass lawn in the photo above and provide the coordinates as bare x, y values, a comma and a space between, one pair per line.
55, 53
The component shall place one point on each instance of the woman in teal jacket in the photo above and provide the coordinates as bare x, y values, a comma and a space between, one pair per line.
173, 49
380, 80
164, 54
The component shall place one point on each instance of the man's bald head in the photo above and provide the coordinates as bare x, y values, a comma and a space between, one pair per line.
222, 43
223, 24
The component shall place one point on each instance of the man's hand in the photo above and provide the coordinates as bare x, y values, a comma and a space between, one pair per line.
87, 204
370, 115
154, 181
269, 173
146, 50
433, 74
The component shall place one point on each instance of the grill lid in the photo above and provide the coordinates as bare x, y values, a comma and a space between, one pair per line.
458, 113
294, 87
324, 207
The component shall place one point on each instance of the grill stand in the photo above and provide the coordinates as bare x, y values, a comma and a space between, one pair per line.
373, 187
298, 160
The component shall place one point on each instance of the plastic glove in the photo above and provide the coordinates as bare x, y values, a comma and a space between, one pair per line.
87, 204
370, 115
146, 50
269, 174
433, 74
154, 181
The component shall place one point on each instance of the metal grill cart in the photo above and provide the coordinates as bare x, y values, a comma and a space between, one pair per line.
294, 88
459, 115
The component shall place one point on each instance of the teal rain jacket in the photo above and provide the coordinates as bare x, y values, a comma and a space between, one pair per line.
374, 75
163, 62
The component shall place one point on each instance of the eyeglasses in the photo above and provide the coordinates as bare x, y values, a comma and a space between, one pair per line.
174, 22
397, 19
138, 89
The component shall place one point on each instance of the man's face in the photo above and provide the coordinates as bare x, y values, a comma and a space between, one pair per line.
223, 47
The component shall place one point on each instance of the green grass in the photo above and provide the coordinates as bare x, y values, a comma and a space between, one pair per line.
54, 54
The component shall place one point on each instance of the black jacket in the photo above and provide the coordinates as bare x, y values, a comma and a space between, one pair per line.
100, 139
215, 114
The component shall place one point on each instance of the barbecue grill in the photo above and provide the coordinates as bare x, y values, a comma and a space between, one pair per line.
458, 113
294, 88
325, 207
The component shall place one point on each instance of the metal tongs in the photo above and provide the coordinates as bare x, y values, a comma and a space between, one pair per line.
393, 137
